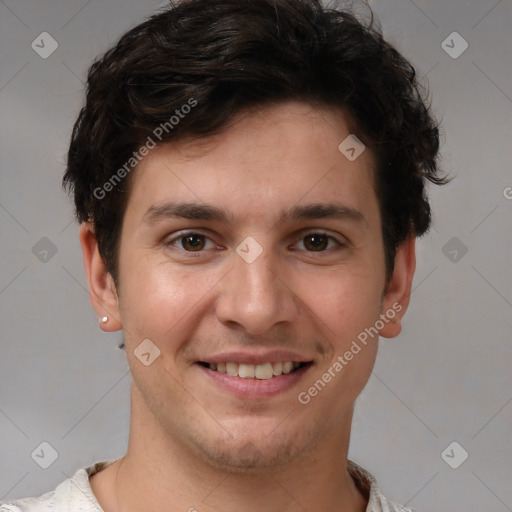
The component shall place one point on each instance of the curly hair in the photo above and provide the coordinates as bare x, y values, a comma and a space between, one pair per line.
226, 56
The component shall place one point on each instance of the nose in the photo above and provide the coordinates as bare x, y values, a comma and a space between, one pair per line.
256, 296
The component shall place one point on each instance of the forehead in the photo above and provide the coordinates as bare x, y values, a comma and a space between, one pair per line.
264, 162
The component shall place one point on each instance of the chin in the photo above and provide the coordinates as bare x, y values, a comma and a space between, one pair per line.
251, 454
250, 458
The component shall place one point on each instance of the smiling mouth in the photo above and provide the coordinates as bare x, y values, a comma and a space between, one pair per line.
265, 371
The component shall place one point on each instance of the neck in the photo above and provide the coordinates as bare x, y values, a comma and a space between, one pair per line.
179, 479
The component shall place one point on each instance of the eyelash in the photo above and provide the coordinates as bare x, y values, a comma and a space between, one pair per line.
186, 234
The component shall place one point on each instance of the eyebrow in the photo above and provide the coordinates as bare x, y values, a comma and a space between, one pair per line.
197, 211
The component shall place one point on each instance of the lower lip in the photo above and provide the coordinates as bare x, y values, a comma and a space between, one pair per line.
255, 388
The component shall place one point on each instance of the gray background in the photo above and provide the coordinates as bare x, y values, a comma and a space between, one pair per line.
445, 378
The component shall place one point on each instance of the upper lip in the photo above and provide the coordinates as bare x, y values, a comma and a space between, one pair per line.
246, 357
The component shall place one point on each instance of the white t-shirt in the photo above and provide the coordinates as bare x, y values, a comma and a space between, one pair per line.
75, 494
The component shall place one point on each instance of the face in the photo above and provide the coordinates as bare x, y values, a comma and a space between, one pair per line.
242, 257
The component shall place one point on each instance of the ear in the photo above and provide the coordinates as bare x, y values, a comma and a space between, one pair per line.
398, 292
102, 290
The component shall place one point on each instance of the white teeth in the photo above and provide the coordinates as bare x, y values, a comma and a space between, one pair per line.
287, 367
232, 369
246, 371
263, 371
278, 368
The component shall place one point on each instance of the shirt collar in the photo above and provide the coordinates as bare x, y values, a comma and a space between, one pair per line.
363, 479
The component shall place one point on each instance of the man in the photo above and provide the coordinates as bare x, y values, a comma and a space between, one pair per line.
250, 178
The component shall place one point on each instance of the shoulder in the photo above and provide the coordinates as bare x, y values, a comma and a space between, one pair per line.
72, 495
43, 503
367, 483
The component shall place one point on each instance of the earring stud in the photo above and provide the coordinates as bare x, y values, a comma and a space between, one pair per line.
104, 319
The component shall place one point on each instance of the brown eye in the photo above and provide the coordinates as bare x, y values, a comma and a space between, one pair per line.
193, 242
316, 242
321, 242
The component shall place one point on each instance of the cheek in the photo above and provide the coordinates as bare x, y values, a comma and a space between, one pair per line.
346, 300
156, 297
348, 306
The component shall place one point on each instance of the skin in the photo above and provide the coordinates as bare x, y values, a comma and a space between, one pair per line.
193, 443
